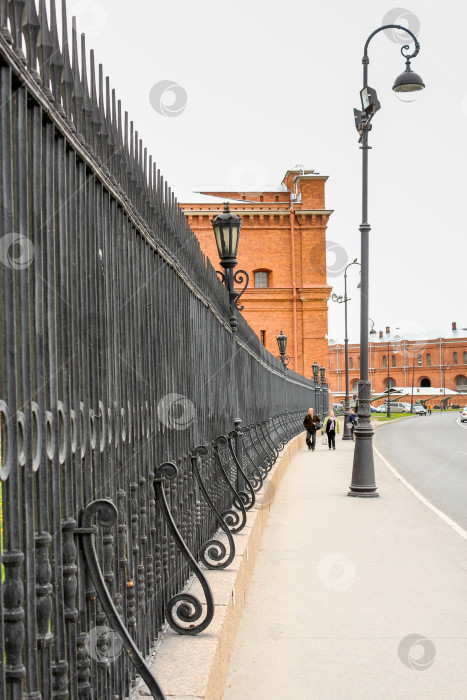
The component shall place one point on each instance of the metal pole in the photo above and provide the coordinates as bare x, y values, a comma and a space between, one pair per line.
363, 473
346, 432
388, 412
413, 379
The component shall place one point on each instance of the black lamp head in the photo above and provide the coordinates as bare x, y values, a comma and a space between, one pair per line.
282, 343
408, 84
227, 232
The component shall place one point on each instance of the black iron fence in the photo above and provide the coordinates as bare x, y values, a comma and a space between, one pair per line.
119, 460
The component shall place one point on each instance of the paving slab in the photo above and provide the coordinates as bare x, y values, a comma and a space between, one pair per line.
352, 598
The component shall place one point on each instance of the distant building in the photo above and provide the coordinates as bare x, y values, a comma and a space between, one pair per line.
434, 361
283, 249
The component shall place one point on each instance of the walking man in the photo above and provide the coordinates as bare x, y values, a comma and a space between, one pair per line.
310, 426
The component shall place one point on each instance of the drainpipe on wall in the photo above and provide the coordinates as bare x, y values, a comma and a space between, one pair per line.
294, 288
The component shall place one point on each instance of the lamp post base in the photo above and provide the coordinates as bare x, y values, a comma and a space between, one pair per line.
364, 494
363, 474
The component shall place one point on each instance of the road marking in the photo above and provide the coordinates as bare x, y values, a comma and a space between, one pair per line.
457, 528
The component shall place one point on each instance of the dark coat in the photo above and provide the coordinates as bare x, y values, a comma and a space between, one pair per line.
309, 423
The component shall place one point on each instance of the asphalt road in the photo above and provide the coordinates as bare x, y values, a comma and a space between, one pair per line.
430, 452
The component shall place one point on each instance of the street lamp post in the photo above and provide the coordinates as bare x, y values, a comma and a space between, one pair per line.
445, 367
315, 368
324, 409
285, 359
227, 233
406, 87
347, 435
419, 362
388, 411
372, 333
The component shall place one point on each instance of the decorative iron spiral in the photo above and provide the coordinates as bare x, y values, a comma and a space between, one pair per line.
184, 606
213, 553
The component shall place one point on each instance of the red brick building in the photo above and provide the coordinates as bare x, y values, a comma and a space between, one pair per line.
283, 249
436, 360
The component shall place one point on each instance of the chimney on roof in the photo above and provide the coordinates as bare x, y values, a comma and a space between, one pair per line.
454, 326
381, 334
388, 330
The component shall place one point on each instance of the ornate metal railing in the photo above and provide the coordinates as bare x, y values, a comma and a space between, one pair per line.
115, 371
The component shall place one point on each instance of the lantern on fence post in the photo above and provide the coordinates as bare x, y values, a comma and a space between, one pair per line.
285, 359
226, 228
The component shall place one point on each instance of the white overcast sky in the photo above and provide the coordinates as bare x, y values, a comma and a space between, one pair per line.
271, 84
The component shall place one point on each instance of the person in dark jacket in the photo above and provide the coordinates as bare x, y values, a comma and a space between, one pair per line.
353, 421
310, 426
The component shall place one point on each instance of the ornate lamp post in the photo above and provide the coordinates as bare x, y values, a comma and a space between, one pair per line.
285, 359
347, 435
322, 371
419, 362
372, 333
388, 412
315, 368
406, 86
227, 233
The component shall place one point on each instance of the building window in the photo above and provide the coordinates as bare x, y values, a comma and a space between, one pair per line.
419, 360
428, 359
350, 362
456, 361
392, 383
355, 385
263, 337
461, 383
465, 358
358, 362
393, 360
385, 363
261, 279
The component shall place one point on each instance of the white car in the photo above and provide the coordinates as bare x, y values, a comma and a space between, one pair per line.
464, 415
419, 409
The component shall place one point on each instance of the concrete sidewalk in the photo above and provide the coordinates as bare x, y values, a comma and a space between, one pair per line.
342, 588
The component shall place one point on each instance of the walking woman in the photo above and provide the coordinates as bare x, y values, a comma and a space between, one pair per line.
331, 427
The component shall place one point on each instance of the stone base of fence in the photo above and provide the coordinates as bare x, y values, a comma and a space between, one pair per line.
189, 667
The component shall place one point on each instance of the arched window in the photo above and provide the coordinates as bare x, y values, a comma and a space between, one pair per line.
393, 360
425, 382
461, 383
355, 385
385, 363
419, 360
358, 362
350, 362
428, 359
456, 361
261, 279
392, 383
465, 358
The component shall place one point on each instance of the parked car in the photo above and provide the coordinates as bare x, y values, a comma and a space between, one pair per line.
464, 415
399, 407
419, 409
374, 409
396, 407
338, 407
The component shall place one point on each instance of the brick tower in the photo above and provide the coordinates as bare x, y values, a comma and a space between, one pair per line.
283, 249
